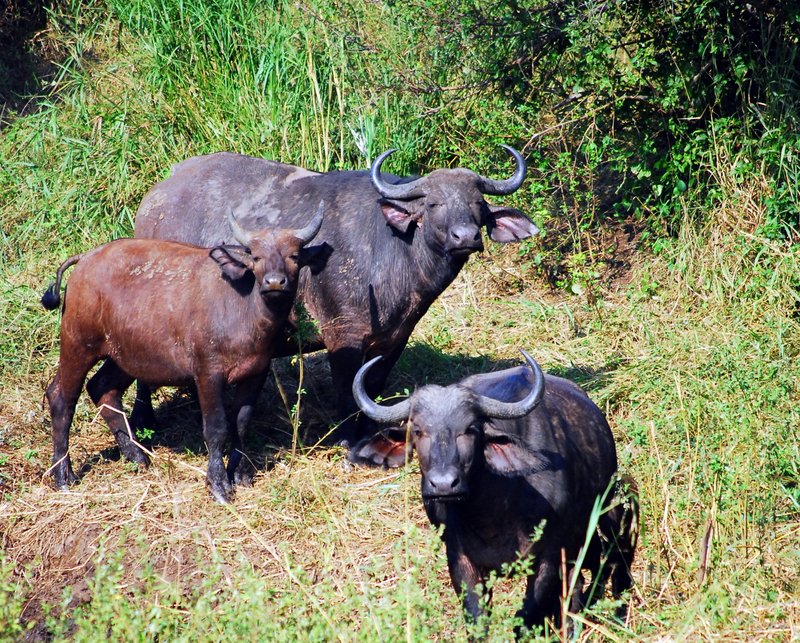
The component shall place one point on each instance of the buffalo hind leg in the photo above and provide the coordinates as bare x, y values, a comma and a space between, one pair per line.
62, 396
240, 469
215, 432
106, 389
74, 363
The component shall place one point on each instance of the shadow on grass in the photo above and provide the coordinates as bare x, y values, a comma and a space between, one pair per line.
271, 433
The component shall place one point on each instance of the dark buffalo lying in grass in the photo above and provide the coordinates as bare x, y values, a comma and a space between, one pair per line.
170, 314
506, 454
394, 245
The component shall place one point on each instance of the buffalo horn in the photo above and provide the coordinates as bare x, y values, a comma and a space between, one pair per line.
385, 414
509, 410
310, 231
512, 184
241, 235
404, 191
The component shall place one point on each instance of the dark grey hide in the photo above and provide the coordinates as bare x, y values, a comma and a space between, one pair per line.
500, 458
391, 245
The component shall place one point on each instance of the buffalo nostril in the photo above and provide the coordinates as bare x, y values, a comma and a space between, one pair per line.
274, 283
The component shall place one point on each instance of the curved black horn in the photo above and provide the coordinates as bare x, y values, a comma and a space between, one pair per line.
241, 235
405, 191
372, 410
510, 410
491, 186
307, 233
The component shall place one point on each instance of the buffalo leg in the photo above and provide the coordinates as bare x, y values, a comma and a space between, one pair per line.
239, 471
345, 362
62, 394
62, 400
541, 595
106, 389
142, 414
215, 432
465, 578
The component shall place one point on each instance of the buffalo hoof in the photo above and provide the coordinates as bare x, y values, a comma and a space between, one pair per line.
244, 474
64, 477
132, 452
222, 491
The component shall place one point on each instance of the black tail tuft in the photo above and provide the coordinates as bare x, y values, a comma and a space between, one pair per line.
51, 298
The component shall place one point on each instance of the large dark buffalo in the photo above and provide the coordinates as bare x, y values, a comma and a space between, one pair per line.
394, 244
502, 455
169, 313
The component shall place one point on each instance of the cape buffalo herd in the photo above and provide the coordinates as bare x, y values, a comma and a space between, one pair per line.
516, 465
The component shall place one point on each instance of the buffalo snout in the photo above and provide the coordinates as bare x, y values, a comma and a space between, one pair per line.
464, 239
276, 284
445, 483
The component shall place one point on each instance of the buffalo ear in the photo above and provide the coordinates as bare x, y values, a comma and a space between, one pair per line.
315, 257
509, 455
387, 449
397, 216
508, 224
234, 261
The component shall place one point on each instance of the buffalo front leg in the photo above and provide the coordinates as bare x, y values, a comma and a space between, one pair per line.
106, 389
142, 414
241, 469
464, 575
345, 362
541, 595
466, 579
215, 432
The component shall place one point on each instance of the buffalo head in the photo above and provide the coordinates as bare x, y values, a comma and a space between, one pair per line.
452, 428
448, 205
271, 259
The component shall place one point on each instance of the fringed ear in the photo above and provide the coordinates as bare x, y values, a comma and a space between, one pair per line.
508, 224
509, 455
51, 299
387, 449
234, 261
400, 218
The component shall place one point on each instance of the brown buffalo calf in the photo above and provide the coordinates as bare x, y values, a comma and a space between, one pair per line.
168, 313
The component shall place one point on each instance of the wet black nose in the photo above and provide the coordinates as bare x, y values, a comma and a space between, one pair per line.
464, 238
465, 234
443, 483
